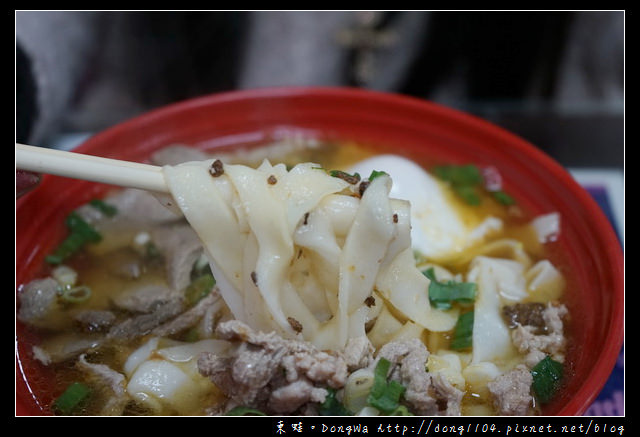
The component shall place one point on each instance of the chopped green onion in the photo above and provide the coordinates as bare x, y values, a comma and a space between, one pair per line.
71, 399
375, 173
384, 395
332, 406
192, 335
105, 208
468, 193
402, 410
68, 247
80, 234
442, 294
77, 224
199, 288
463, 332
547, 376
459, 174
244, 411
503, 198
75, 294
467, 182
464, 180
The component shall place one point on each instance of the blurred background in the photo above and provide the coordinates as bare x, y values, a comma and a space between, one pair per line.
555, 78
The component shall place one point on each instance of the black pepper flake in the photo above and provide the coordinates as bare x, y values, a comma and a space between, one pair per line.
352, 179
271, 180
395, 218
254, 278
362, 187
217, 168
306, 218
370, 301
295, 325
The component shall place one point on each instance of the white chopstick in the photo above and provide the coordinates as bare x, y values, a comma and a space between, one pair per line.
90, 168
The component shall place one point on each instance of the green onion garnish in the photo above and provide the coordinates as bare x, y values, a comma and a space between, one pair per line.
384, 395
105, 208
332, 406
199, 288
464, 180
71, 399
467, 181
80, 233
244, 411
192, 335
503, 198
466, 175
468, 193
463, 332
75, 294
76, 224
375, 173
547, 376
443, 294
402, 410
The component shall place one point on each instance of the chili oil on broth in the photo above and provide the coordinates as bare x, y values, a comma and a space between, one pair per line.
102, 270
97, 268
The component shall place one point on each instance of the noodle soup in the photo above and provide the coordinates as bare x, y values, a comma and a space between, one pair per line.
302, 278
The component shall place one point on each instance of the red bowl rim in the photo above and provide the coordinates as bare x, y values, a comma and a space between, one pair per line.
602, 368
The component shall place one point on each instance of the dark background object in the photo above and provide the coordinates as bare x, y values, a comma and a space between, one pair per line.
554, 78
503, 53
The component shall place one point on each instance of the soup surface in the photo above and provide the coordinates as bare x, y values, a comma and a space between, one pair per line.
389, 288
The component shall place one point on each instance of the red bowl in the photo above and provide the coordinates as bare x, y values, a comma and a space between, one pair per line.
415, 128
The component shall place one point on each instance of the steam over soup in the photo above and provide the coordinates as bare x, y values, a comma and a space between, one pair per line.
301, 279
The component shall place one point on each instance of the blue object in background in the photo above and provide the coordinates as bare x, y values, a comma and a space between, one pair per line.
610, 401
